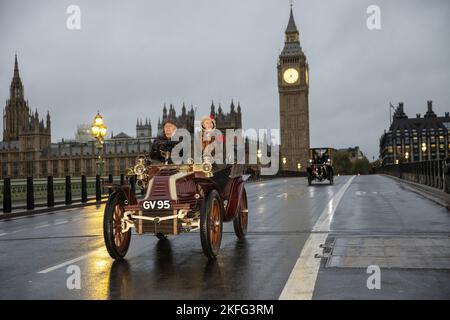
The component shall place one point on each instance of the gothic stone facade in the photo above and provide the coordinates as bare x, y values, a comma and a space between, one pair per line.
293, 88
26, 149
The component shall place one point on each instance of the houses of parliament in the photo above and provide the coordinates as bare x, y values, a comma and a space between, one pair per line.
27, 150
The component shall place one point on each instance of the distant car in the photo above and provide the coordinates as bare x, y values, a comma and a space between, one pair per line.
178, 199
320, 166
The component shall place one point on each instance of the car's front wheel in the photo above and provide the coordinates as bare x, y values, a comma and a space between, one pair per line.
116, 241
211, 218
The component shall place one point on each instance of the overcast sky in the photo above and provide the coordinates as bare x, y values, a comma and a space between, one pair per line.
131, 57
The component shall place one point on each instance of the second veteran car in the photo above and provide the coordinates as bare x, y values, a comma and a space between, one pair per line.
320, 166
178, 199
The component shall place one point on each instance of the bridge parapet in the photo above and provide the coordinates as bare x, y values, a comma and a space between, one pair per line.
434, 173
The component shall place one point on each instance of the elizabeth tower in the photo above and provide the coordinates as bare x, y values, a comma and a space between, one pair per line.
293, 88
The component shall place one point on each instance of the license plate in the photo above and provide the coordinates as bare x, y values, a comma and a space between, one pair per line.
156, 205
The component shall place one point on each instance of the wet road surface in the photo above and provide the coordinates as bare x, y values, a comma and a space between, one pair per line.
287, 223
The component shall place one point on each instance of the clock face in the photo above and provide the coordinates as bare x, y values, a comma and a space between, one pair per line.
290, 75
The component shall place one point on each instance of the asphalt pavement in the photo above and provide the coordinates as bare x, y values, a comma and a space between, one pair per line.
303, 243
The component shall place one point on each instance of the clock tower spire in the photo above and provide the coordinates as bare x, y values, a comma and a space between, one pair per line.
293, 89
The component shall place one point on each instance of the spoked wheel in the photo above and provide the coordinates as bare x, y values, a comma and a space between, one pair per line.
211, 217
116, 241
161, 236
241, 220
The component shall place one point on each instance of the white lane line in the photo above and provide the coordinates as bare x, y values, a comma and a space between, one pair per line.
65, 263
302, 280
325, 219
60, 222
3, 234
42, 226
17, 231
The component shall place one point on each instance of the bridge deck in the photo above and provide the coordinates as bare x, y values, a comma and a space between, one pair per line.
364, 220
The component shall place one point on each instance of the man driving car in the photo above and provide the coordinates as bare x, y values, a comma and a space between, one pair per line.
162, 146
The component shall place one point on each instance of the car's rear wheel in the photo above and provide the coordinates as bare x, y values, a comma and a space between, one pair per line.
211, 217
116, 241
241, 220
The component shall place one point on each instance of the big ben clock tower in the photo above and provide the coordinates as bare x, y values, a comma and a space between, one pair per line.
293, 88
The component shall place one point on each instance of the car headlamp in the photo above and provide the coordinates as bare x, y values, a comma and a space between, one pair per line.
206, 167
139, 169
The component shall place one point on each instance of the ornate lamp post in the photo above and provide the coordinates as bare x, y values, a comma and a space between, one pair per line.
98, 131
259, 155
424, 149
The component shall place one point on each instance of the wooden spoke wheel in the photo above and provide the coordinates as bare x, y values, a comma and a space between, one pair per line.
116, 241
241, 219
211, 218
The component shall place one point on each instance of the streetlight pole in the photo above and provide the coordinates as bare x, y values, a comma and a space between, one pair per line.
98, 131
424, 149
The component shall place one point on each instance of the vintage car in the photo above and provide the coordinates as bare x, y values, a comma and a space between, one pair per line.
178, 199
320, 166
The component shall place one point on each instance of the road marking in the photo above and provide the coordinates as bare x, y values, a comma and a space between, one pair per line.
18, 230
42, 226
3, 234
325, 219
60, 222
63, 264
302, 280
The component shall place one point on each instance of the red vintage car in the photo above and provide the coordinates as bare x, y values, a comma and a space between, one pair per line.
178, 199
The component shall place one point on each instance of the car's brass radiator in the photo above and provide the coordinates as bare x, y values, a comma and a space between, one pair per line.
167, 227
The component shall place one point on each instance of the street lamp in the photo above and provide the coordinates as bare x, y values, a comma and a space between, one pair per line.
284, 164
98, 131
299, 166
424, 147
407, 156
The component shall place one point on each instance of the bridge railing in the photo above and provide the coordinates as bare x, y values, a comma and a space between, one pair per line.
432, 173
27, 194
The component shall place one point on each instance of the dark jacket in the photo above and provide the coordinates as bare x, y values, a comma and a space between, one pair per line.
161, 149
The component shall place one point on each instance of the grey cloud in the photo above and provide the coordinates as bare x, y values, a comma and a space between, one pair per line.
131, 57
